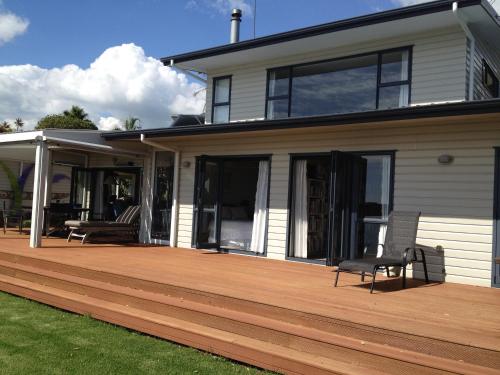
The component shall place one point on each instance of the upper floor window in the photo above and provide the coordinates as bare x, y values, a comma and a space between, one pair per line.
490, 81
221, 99
353, 84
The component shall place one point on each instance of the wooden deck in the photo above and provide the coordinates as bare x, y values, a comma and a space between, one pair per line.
283, 316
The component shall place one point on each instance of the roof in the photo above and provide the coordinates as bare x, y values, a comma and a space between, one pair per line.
427, 111
412, 19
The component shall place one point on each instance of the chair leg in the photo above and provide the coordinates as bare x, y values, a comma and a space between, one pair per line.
387, 270
70, 235
424, 263
337, 276
404, 277
373, 279
362, 276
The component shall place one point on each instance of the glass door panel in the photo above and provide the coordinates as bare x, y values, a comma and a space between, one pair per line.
346, 207
208, 228
162, 195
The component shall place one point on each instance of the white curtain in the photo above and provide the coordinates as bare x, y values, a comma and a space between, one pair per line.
300, 209
260, 211
384, 199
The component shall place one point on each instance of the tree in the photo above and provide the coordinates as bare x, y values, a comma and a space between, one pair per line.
5, 127
19, 123
75, 118
132, 123
64, 122
76, 112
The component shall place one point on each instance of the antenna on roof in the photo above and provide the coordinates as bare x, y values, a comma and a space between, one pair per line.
255, 16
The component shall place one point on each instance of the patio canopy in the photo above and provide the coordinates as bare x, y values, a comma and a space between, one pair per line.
44, 148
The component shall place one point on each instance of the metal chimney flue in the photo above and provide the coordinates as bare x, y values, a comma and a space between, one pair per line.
235, 25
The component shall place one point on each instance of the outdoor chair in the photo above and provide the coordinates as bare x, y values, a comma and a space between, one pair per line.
398, 250
17, 215
127, 222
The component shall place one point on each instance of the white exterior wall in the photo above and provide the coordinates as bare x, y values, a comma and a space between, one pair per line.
438, 71
455, 200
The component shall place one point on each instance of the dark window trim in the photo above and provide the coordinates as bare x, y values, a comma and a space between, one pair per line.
221, 104
222, 158
496, 220
486, 70
379, 54
298, 156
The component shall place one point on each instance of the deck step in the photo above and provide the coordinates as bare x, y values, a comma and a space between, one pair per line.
241, 348
461, 351
291, 336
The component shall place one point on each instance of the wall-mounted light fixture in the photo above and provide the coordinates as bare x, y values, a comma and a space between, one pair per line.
445, 159
186, 164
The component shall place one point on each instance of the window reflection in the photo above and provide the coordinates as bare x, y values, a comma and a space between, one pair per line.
347, 85
355, 84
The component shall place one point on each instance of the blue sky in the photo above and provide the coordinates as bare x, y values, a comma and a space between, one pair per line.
62, 32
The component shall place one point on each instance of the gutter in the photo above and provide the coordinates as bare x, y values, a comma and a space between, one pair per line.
85, 146
472, 52
175, 194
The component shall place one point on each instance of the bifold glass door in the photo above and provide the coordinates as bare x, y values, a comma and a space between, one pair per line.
326, 222
346, 207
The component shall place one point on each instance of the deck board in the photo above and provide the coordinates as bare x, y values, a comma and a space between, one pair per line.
450, 312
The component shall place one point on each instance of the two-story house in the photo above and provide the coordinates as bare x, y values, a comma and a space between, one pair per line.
311, 137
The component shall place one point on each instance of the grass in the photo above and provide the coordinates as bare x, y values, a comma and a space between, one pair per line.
38, 339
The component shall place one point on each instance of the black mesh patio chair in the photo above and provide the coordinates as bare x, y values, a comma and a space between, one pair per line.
398, 250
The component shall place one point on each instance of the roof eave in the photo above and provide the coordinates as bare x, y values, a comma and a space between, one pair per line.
409, 113
350, 23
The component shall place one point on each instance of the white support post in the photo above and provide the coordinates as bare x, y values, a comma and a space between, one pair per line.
39, 188
175, 200
48, 181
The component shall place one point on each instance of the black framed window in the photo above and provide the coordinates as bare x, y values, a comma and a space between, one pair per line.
490, 80
221, 99
365, 82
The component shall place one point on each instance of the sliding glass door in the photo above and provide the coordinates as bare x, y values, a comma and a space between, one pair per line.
327, 196
231, 203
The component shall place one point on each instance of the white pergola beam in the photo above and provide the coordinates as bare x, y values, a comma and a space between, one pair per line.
39, 188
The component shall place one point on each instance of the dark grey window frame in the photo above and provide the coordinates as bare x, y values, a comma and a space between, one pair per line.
379, 54
495, 268
485, 71
298, 156
221, 104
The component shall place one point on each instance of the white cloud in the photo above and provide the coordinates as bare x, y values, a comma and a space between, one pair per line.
11, 26
121, 82
494, 3
109, 123
221, 6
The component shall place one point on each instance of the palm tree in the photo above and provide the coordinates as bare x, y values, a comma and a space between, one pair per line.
132, 123
19, 124
76, 112
5, 127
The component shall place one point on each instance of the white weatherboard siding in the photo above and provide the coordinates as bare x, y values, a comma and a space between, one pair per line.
438, 71
456, 200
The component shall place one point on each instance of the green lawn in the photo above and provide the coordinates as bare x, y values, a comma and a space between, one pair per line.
38, 339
